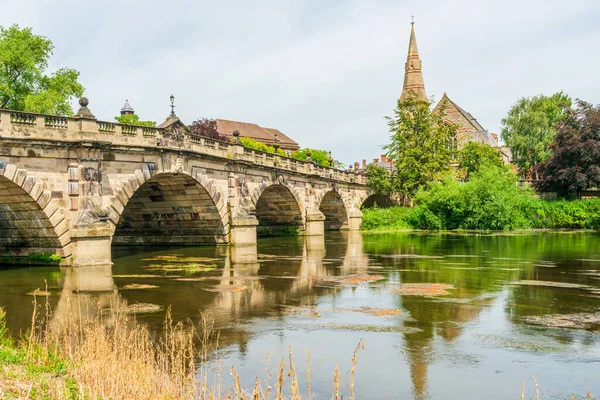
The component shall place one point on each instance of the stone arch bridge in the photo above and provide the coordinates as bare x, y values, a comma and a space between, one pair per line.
76, 186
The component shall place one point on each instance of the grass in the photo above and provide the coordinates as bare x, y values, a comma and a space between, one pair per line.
113, 356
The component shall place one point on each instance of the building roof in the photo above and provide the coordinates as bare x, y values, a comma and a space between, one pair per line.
256, 132
127, 107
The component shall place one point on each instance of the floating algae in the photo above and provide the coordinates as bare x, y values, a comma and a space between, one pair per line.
371, 328
361, 278
187, 268
142, 308
574, 321
423, 289
551, 284
508, 343
39, 292
226, 288
372, 311
180, 259
139, 286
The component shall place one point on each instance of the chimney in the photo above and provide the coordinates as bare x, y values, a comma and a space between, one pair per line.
376, 160
383, 159
364, 163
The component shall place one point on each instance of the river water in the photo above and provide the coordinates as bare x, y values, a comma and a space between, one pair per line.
441, 316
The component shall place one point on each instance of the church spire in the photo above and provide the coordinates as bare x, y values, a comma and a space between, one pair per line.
413, 78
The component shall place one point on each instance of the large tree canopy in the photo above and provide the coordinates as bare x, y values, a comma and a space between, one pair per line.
530, 126
24, 85
419, 144
575, 163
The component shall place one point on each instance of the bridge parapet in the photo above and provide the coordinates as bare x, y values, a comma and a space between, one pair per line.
30, 126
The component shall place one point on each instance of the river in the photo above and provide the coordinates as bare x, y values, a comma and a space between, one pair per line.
441, 315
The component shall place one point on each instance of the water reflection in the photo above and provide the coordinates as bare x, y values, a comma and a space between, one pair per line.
293, 290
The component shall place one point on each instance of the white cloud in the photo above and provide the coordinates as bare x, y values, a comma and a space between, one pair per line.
324, 73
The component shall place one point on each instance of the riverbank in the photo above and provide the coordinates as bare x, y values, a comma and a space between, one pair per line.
449, 215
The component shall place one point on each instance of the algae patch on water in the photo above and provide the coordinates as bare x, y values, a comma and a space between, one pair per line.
573, 321
372, 311
226, 288
564, 285
142, 308
138, 286
39, 292
371, 328
186, 268
509, 343
423, 289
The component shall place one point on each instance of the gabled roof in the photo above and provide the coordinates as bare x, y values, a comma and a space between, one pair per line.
482, 134
256, 132
464, 113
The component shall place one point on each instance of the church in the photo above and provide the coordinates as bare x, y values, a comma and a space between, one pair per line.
468, 127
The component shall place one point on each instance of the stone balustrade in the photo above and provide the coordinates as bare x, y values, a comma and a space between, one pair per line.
24, 125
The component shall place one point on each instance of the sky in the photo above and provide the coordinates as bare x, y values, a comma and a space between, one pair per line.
323, 72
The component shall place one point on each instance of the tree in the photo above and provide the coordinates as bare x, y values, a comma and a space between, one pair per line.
207, 128
575, 163
380, 179
319, 157
133, 119
419, 144
23, 85
475, 156
530, 126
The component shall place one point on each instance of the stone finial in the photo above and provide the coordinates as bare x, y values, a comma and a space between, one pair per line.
84, 111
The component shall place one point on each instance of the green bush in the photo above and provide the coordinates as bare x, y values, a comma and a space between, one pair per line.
385, 218
260, 146
491, 200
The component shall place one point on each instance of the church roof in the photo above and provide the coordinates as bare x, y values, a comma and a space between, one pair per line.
482, 134
127, 107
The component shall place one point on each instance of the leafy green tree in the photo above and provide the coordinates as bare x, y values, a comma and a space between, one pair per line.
475, 156
530, 126
380, 179
419, 145
24, 85
575, 162
133, 119
320, 157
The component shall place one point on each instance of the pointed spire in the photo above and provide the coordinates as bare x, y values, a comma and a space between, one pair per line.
413, 77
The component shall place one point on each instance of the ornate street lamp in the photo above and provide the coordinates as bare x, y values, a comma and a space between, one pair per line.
172, 98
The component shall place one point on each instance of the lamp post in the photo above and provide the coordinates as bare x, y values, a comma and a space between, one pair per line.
172, 98
276, 144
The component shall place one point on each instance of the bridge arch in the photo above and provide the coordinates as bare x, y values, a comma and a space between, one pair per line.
333, 207
171, 209
378, 200
31, 221
278, 210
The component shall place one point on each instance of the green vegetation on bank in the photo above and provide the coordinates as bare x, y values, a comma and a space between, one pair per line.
491, 200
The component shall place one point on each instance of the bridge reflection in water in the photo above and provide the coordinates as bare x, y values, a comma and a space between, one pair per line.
288, 291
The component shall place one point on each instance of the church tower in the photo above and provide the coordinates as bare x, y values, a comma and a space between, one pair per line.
413, 77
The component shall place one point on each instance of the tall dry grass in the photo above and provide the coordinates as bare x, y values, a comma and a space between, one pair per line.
107, 353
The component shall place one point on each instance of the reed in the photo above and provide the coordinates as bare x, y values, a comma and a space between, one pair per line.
106, 353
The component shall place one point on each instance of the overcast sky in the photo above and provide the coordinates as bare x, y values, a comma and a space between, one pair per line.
323, 72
